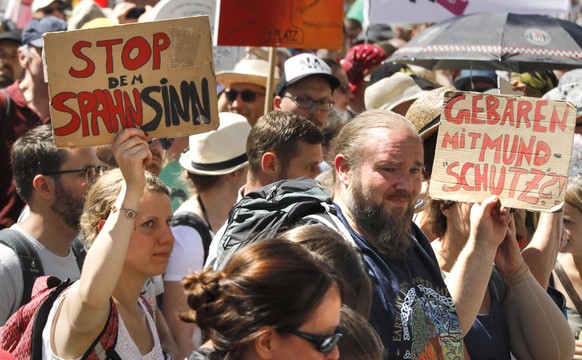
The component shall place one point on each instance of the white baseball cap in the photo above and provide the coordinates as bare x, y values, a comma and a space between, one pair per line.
303, 65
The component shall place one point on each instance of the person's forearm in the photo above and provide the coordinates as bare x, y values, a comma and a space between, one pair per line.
468, 279
106, 256
540, 254
538, 329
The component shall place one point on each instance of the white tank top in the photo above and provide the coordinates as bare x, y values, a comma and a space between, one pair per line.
125, 346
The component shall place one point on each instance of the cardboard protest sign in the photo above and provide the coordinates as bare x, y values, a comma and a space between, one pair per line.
517, 148
158, 76
225, 57
300, 24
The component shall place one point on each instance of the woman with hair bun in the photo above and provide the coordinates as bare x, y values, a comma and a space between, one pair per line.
273, 300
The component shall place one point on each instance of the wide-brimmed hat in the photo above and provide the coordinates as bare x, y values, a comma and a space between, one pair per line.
219, 151
252, 71
425, 112
391, 92
41, 4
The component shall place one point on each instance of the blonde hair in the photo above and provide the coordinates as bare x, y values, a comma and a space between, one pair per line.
574, 193
102, 197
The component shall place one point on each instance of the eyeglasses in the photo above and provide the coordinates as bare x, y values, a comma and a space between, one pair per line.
344, 88
307, 103
246, 95
166, 142
323, 343
91, 172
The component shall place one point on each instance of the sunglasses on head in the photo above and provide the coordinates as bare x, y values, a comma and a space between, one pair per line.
246, 95
323, 343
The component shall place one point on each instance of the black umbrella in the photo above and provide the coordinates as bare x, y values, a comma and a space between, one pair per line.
496, 41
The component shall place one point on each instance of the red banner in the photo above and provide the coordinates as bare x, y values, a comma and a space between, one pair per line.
300, 24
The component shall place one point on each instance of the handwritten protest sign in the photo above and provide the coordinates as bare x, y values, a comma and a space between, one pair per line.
225, 57
517, 148
300, 24
158, 76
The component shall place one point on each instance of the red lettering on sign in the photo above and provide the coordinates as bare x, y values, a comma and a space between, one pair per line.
462, 115
90, 68
108, 45
539, 117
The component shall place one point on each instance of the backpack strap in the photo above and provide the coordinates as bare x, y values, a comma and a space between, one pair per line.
7, 112
79, 251
29, 260
41, 315
330, 219
103, 347
567, 284
189, 218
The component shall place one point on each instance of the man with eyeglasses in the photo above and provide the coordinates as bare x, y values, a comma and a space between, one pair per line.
246, 88
306, 88
23, 105
53, 182
42, 8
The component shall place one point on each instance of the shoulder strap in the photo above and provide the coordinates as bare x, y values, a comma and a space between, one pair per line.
332, 221
29, 260
568, 286
79, 251
7, 113
497, 285
189, 218
103, 347
41, 316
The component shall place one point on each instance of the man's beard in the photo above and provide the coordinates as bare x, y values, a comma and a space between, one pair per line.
67, 206
392, 233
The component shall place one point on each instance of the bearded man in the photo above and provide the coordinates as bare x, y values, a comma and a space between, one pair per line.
53, 183
378, 163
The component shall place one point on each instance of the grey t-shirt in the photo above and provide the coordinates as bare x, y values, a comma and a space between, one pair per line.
11, 279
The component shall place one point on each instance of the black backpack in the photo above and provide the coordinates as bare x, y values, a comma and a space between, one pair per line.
29, 260
188, 218
271, 209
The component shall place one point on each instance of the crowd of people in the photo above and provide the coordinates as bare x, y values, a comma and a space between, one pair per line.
385, 272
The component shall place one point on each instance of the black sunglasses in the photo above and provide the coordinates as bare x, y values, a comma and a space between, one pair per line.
323, 343
246, 95
166, 142
91, 172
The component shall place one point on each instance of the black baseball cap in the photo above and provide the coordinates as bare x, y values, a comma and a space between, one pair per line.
9, 31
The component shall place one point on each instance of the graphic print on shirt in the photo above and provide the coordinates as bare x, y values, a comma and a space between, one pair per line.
427, 317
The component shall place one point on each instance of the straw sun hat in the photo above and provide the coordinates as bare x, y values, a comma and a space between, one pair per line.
425, 112
392, 91
219, 151
252, 71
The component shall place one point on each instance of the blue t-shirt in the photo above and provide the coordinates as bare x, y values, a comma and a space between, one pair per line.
412, 310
